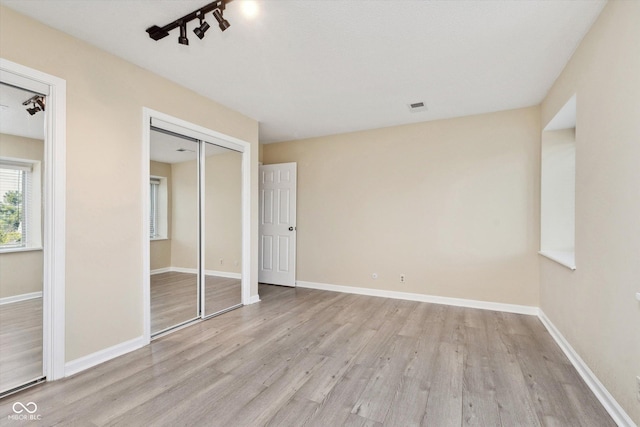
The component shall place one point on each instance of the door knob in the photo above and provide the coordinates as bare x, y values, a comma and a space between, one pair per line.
290, 228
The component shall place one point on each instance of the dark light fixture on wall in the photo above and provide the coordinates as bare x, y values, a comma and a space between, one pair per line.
217, 7
37, 104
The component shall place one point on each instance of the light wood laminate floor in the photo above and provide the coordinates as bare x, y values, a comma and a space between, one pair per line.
20, 342
174, 297
316, 358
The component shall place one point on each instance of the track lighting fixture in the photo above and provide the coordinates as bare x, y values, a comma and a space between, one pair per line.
204, 26
37, 104
222, 23
157, 33
183, 34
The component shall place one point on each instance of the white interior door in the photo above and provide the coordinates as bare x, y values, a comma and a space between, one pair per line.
277, 264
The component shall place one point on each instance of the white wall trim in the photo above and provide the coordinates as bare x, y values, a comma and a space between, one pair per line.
21, 297
253, 299
458, 302
54, 208
91, 360
225, 274
614, 409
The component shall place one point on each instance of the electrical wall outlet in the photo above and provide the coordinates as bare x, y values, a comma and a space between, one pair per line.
402, 278
221, 261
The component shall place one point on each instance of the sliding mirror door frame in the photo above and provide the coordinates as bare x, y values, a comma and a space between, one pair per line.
54, 202
201, 133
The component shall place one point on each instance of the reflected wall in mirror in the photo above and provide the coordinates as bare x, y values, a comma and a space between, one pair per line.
222, 229
21, 230
173, 230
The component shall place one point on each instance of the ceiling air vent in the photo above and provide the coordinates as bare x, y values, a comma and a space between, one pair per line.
417, 107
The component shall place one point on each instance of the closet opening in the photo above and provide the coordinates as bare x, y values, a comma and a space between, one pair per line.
196, 191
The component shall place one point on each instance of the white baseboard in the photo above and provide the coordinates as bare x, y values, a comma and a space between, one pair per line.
225, 274
614, 409
21, 297
458, 302
160, 270
254, 299
91, 360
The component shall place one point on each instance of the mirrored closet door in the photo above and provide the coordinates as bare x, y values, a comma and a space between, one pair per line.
173, 230
22, 153
222, 244
195, 228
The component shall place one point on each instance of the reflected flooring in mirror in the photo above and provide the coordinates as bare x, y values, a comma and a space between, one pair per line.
20, 342
221, 293
174, 297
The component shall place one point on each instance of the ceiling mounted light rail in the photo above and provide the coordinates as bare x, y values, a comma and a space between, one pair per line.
217, 7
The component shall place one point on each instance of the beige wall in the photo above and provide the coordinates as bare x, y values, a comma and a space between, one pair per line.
160, 250
594, 307
184, 208
21, 272
223, 214
104, 240
452, 204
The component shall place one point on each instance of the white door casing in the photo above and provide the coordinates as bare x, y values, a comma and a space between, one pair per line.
54, 203
277, 260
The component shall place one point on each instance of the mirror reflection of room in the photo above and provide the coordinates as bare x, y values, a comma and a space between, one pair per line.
21, 230
173, 230
223, 229
175, 227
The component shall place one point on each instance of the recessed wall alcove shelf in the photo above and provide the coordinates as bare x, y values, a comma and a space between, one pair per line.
217, 7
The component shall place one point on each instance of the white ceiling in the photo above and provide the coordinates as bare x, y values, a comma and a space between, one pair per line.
14, 118
307, 68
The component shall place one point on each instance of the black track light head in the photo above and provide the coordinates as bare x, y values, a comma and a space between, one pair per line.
183, 34
222, 23
37, 104
199, 31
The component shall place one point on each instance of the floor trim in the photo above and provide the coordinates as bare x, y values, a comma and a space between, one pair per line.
91, 360
254, 299
225, 274
599, 390
458, 302
21, 297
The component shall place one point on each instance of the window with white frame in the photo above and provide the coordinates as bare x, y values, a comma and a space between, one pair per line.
20, 205
158, 208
